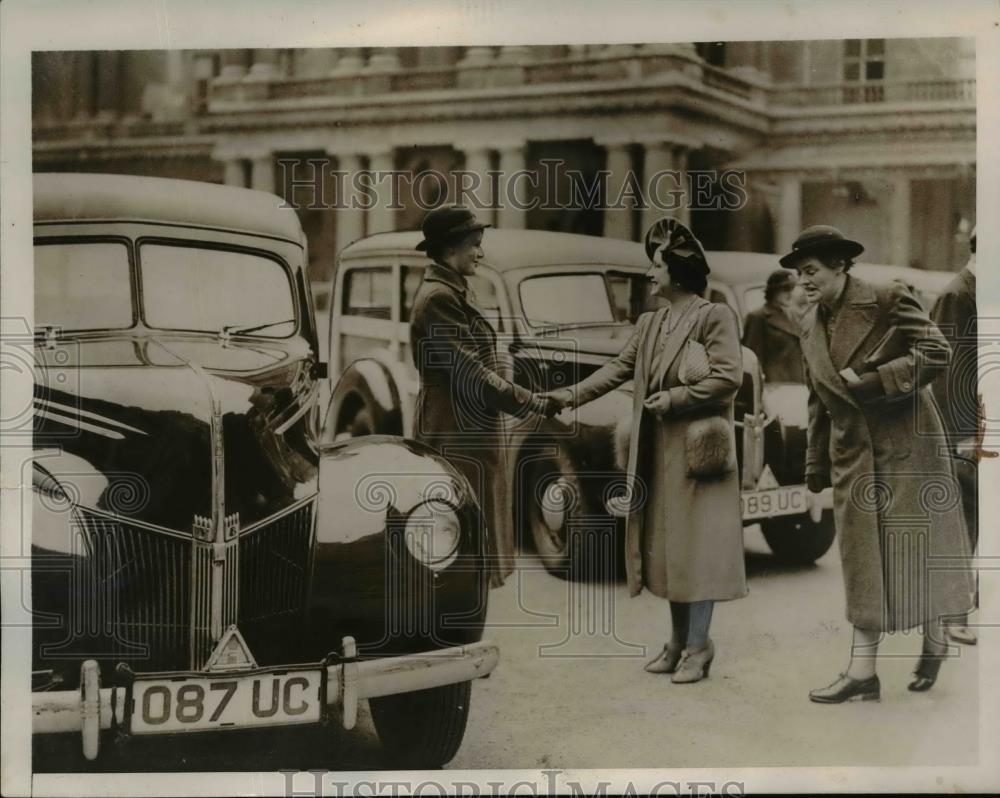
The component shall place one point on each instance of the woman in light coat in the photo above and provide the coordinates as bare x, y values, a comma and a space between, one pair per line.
875, 435
684, 539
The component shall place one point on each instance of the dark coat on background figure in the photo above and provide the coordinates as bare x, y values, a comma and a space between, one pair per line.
896, 500
957, 391
463, 396
771, 335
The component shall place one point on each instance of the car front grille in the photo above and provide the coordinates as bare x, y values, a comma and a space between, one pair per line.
142, 593
274, 567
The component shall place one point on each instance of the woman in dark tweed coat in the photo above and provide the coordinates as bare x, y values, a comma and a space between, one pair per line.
875, 435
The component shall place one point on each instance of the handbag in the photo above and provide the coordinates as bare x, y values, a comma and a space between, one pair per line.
694, 366
708, 440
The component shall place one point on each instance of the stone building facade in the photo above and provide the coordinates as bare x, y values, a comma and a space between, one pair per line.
876, 136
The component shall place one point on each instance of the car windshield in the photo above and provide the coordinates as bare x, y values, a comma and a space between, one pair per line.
573, 299
82, 285
196, 288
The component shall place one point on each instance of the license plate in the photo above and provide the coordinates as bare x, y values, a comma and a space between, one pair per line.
200, 703
789, 500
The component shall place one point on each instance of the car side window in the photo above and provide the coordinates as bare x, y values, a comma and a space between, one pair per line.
410, 277
368, 293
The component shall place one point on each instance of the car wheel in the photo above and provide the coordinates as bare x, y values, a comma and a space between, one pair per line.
359, 424
423, 729
553, 496
797, 539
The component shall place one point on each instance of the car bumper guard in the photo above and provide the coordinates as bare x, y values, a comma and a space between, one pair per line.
93, 708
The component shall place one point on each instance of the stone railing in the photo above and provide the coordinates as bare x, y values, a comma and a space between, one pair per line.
622, 64
956, 91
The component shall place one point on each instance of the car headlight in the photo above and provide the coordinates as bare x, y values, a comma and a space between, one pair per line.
432, 534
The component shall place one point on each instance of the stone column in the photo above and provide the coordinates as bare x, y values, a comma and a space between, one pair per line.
381, 218
789, 212
262, 172
681, 165
662, 191
265, 64
384, 58
233, 172
476, 56
350, 60
618, 221
350, 221
899, 220
233, 65
514, 53
510, 214
478, 162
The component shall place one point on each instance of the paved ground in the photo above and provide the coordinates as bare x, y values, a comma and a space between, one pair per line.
566, 697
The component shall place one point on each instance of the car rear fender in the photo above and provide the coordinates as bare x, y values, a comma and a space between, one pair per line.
379, 384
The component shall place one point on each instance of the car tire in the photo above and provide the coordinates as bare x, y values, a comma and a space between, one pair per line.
424, 729
584, 556
361, 423
797, 539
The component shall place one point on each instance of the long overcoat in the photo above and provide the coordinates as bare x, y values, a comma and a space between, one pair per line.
771, 335
694, 533
897, 505
462, 398
957, 391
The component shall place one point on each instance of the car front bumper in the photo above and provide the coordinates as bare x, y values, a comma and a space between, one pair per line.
93, 708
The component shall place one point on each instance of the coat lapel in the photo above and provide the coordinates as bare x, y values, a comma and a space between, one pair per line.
649, 346
816, 351
855, 321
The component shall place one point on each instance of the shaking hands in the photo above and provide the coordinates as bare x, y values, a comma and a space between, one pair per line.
551, 403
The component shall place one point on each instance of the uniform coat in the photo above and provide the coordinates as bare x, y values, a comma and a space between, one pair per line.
896, 500
771, 335
462, 397
684, 536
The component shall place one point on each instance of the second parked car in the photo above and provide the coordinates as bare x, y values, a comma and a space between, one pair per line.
563, 305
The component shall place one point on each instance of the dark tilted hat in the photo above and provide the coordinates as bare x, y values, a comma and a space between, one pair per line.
447, 223
820, 238
672, 239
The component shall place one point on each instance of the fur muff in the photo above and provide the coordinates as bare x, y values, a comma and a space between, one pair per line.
708, 443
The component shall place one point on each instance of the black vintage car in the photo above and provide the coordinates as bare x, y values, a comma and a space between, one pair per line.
200, 560
564, 305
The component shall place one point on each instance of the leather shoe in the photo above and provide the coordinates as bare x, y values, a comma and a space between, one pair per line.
666, 661
925, 675
695, 664
848, 689
961, 634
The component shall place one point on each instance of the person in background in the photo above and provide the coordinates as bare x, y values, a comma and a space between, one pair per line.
957, 395
871, 352
772, 332
462, 395
684, 543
